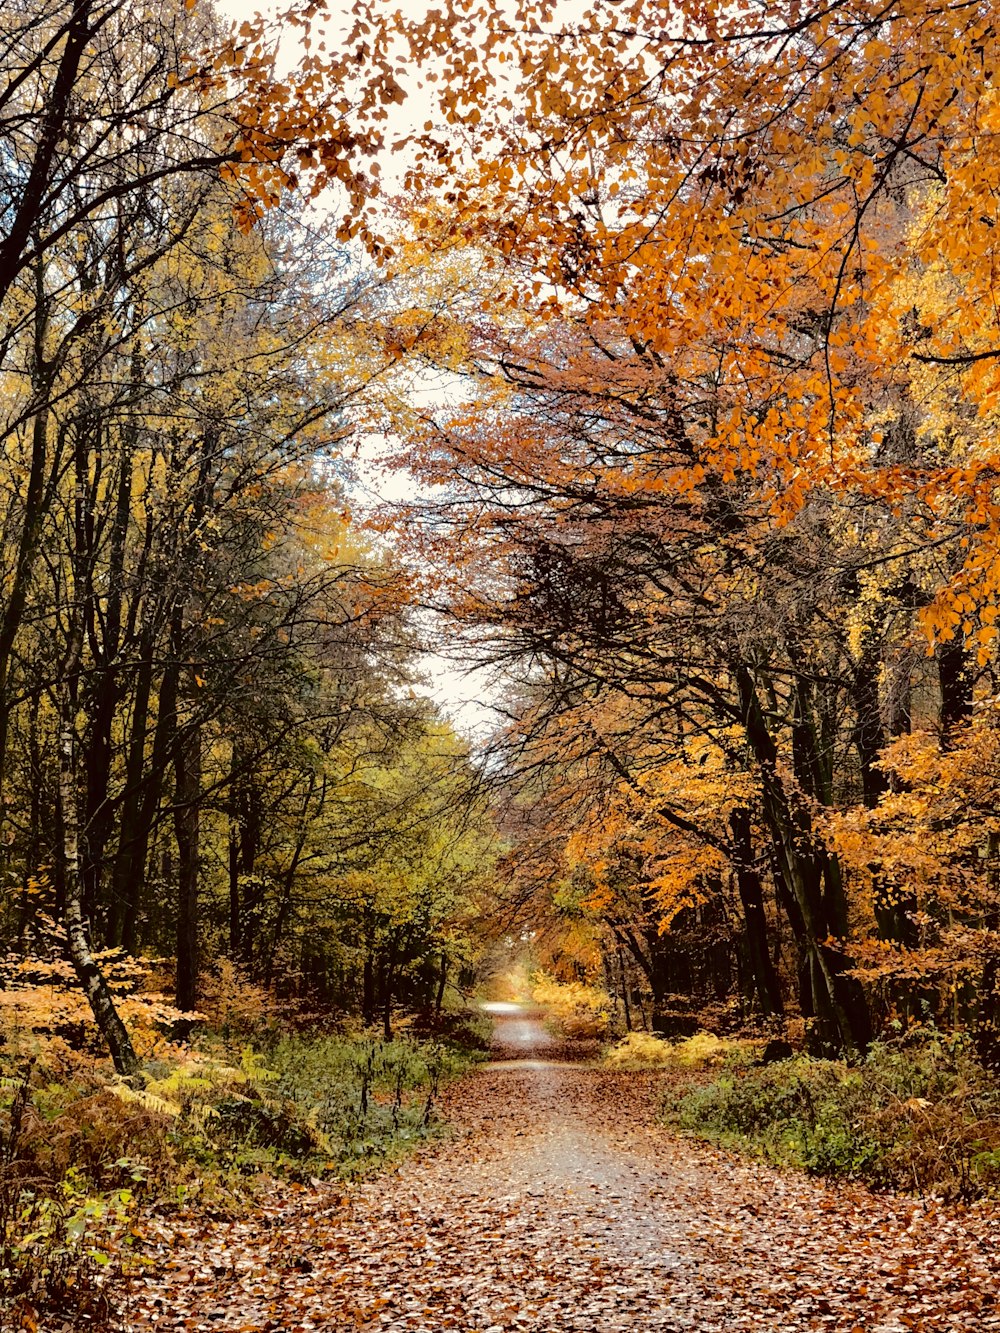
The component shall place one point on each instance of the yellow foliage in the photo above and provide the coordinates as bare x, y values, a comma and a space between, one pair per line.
642, 1048
231, 1002
42, 1005
928, 851
704, 1048
193, 1084
579, 1009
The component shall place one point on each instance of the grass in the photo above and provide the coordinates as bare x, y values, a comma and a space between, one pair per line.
918, 1115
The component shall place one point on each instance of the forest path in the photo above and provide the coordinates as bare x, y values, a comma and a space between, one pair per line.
560, 1206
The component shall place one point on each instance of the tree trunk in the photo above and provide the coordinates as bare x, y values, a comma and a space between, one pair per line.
811, 879
368, 976
442, 982
750, 889
955, 678
387, 1000
105, 691
869, 733
187, 829
91, 978
988, 1008
143, 789
624, 983
235, 941
38, 491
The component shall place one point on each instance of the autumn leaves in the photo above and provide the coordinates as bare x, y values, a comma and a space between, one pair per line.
724, 498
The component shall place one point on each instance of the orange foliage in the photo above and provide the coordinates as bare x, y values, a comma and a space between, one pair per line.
930, 848
42, 1006
777, 226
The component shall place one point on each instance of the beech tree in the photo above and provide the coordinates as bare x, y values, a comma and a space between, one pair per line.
721, 454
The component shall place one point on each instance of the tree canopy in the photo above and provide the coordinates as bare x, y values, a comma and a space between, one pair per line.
706, 299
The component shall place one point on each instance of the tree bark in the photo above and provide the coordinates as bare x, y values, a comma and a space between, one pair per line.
187, 830
388, 977
955, 679
869, 733
368, 974
810, 877
79, 31
91, 979
143, 789
624, 985
751, 891
442, 982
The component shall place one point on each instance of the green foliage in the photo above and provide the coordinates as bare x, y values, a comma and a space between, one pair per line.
409, 851
304, 1106
920, 1116
361, 1101
464, 1027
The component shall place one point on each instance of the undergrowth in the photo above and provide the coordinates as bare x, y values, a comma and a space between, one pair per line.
642, 1049
86, 1158
916, 1116
576, 1010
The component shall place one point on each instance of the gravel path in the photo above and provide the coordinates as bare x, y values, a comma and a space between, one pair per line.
560, 1206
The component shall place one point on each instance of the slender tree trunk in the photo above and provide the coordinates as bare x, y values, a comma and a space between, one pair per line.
387, 984
368, 975
143, 789
442, 982
624, 984
869, 733
900, 704
91, 978
79, 30
235, 942
33, 856
751, 892
105, 693
955, 679
988, 1007
285, 905
38, 490
187, 831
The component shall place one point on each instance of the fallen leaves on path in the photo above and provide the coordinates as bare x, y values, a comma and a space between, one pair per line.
560, 1204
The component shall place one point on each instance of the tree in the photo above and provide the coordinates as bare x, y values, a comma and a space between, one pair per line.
721, 453
175, 386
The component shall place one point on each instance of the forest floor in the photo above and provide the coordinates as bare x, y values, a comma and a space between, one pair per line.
559, 1204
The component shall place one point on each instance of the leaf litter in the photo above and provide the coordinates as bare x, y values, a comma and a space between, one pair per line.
559, 1204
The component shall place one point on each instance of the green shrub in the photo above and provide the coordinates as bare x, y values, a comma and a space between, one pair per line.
323, 1105
464, 1027
917, 1116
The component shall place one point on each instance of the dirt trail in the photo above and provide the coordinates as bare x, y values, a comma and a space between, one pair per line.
560, 1206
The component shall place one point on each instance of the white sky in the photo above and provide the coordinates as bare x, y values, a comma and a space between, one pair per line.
238, 9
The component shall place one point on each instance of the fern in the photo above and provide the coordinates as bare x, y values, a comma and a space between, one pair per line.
149, 1101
